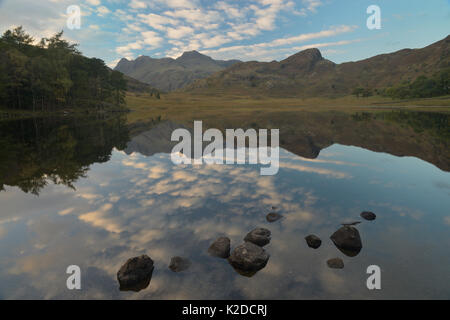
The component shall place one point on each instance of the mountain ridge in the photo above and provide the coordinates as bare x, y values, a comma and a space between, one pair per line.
307, 73
169, 74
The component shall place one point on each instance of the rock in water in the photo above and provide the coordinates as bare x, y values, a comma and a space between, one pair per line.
335, 263
178, 264
347, 240
273, 216
313, 241
220, 248
258, 236
135, 274
248, 258
368, 215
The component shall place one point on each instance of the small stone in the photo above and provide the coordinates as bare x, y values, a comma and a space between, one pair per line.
135, 274
178, 264
273, 216
220, 248
248, 258
368, 215
258, 236
313, 241
335, 263
347, 240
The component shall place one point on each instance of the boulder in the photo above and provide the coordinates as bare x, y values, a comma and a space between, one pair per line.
258, 236
335, 263
313, 241
368, 215
178, 264
220, 248
135, 274
347, 240
248, 258
273, 216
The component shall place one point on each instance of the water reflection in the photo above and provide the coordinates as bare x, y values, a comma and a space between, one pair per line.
59, 150
135, 204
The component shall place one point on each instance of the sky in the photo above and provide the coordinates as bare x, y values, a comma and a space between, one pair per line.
262, 30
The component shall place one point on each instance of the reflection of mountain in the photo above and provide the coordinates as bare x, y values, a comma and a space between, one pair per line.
419, 134
155, 140
60, 150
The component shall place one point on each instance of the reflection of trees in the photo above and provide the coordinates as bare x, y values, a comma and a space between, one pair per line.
59, 150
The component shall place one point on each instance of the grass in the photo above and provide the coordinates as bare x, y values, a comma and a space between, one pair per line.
184, 107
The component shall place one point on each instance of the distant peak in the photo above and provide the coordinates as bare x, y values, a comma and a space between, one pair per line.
312, 55
191, 54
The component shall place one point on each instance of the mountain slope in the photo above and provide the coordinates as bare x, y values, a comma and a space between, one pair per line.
307, 73
169, 74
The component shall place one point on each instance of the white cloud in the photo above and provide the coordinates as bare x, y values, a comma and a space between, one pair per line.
136, 4
93, 2
102, 10
179, 32
156, 21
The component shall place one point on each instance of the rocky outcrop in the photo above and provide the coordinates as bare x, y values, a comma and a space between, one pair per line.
178, 264
220, 248
248, 258
368, 215
135, 274
258, 236
348, 240
313, 241
335, 263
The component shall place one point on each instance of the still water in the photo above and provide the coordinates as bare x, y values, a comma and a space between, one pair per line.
95, 192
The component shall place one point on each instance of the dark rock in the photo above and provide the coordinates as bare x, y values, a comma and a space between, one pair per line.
220, 248
178, 264
248, 258
347, 240
335, 263
368, 215
313, 241
273, 216
135, 274
258, 236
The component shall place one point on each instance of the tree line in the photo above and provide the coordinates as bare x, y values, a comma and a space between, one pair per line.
53, 74
422, 87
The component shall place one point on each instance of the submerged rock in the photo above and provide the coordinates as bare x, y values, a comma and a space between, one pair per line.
178, 264
273, 216
313, 241
368, 215
335, 263
258, 236
248, 258
220, 248
354, 223
135, 274
347, 240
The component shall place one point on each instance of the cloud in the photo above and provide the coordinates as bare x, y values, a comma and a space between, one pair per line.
282, 46
93, 2
102, 11
136, 4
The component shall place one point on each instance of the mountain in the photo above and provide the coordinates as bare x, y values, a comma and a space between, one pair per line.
169, 74
307, 73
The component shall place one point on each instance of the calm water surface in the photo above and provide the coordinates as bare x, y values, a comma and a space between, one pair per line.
96, 192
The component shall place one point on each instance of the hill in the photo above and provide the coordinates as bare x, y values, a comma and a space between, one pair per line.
168, 74
307, 73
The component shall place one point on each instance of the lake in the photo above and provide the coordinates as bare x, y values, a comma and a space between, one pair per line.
96, 191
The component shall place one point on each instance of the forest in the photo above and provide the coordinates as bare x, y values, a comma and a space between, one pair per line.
53, 75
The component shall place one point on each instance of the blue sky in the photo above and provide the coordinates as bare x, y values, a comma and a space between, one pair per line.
261, 30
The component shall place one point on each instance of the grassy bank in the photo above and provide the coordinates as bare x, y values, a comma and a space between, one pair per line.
186, 107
